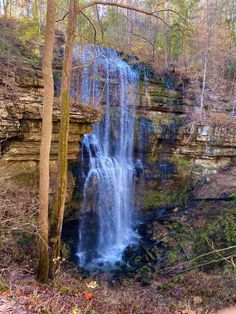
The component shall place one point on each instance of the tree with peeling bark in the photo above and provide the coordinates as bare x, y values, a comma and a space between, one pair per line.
43, 265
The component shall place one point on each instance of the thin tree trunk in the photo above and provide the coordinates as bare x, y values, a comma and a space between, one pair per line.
99, 22
203, 82
43, 265
166, 33
58, 210
5, 8
234, 102
205, 63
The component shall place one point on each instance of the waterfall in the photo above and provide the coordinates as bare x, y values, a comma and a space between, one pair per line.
106, 227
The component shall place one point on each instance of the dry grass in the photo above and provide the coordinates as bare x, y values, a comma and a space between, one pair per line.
18, 221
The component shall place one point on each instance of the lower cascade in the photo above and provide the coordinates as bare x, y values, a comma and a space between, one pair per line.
107, 169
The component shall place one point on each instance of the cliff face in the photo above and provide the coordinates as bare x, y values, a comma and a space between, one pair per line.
176, 150
21, 130
20, 122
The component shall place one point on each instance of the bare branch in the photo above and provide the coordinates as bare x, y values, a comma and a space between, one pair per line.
171, 10
62, 19
90, 40
188, 263
120, 5
148, 41
82, 66
91, 23
102, 54
231, 261
128, 7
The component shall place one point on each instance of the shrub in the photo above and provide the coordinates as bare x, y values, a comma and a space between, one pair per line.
217, 234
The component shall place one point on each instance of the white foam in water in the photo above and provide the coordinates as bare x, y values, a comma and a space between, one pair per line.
109, 182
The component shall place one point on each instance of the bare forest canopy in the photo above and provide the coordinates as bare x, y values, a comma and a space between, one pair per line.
182, 33
195, 37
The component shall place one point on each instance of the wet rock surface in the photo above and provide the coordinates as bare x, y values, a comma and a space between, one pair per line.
140, 260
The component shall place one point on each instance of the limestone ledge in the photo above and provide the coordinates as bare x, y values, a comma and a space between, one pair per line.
161, 118
176, 152
20, 129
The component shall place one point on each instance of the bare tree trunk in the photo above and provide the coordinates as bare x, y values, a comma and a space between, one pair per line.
203, 82
166, 33
99, 22
234, 101
205, 63
36, 14
58, 210
43, 265
6, 4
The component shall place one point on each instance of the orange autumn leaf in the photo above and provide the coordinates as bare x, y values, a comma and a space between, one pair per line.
88, 295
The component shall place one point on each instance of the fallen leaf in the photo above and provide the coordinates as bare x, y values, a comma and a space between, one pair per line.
92, 284
88, 295
197, 300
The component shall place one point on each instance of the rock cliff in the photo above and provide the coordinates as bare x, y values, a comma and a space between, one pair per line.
173, 147
177, 151
20, 122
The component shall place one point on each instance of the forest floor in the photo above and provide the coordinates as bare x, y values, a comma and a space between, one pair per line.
70, 294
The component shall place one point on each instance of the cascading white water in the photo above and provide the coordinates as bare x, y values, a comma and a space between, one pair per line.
107, 157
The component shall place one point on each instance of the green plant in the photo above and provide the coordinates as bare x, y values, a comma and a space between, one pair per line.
3, 286
25, 239
233, 195
183, 164
172, 257
75, 310
155, 199
170, 285
29, 30
217, 234
64, 290
144, 269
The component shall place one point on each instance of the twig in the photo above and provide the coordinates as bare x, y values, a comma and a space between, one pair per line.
91, 23
62, 19
219, 254
88, 65
179, 243
206, 263
91, 41
169, 269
